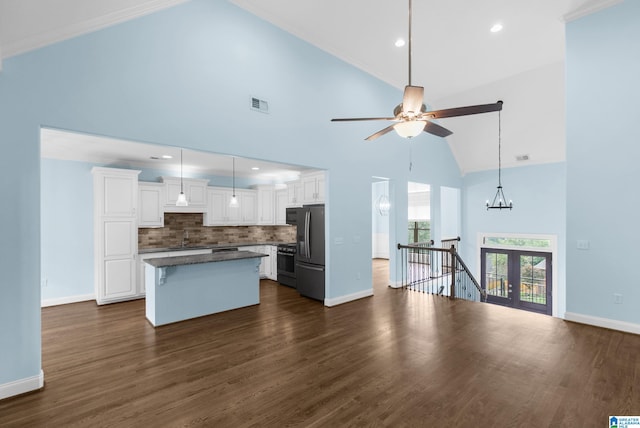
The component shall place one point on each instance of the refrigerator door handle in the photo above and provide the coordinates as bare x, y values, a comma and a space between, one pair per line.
307, 225
317, 269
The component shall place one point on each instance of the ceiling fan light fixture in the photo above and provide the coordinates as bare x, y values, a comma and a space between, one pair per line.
410, 128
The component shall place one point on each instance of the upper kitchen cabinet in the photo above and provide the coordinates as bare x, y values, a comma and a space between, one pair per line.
266, 205
115, 196
219, 211
281, 206
151, 198
294, 194
312, 188
194, 189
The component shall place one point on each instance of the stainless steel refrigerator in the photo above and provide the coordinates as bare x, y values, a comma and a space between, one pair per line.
310, 251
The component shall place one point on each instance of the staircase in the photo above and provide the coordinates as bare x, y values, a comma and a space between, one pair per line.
439, 271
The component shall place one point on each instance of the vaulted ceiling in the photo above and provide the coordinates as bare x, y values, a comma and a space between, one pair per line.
455, 56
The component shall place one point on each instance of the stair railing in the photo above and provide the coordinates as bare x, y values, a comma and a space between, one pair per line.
439, 271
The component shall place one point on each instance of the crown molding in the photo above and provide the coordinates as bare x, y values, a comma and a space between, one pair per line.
589, 8
86, 26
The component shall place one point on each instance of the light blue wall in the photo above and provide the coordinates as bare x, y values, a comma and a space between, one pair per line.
66, 228
538, 193
603, 149
184, 76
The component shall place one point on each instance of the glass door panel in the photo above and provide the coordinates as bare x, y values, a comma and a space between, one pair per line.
495, 276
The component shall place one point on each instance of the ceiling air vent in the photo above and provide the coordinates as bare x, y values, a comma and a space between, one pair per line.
259, 105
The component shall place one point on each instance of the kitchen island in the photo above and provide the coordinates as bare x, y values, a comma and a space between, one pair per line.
184, 287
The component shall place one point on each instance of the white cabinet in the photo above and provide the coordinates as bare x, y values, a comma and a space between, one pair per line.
150, 202
115, 196
248, 207
281, 206
294, 194
266, 205
219, 212
194, 189
273, 259
312, 188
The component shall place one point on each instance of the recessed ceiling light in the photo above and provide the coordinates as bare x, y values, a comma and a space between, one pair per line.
167, 157
496, 28
400, 43
255, 168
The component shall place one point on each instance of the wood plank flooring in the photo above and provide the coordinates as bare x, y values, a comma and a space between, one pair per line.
397, 359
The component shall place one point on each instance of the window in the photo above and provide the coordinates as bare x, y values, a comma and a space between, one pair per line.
419, 231
498, 242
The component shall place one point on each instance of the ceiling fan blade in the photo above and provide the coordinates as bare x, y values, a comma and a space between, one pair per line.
412, 99
354, 119
464, 111
435, 129
380, 133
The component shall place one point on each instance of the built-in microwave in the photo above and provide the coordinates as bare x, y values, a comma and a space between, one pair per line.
292, 216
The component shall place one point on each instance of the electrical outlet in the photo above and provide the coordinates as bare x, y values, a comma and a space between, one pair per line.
617, 298
582, 244
44, 282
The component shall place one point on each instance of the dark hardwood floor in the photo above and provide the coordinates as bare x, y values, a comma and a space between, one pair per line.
399, 358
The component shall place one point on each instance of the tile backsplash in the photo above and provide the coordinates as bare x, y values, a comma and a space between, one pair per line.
175, 225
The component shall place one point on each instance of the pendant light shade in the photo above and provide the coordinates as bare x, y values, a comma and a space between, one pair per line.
499, 201
234, 200
182, 198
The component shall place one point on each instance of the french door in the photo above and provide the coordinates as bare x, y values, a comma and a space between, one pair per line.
518, 279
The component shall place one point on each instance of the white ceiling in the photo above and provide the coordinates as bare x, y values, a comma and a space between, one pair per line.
454, 53
63, 145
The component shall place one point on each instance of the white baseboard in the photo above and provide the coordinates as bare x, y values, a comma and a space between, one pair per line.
396, 285
66, 300
348, 298
603, 322
22, 386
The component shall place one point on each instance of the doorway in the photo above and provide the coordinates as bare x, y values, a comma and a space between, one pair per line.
518, 279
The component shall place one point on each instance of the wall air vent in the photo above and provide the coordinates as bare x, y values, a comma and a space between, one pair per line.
259, 105
521, 158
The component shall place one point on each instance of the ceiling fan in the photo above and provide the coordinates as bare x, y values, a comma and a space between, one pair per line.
411, 116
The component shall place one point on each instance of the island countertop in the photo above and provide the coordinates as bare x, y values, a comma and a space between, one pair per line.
203, 258
213, 247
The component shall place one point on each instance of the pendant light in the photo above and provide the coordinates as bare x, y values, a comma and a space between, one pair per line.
499, 201
383, 205
234, 200
182, 198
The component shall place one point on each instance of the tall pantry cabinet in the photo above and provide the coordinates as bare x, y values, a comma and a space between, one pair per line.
115, 200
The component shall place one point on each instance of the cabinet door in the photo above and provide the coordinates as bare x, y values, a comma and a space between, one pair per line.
172, 190
120, 244
216, 209
281, 207
266, 209
294, 194
119, 196
196, 193
150, 200
249, 207
263, 261
308, 190
274, 262
320, 188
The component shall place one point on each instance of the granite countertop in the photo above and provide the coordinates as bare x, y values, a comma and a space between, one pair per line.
207, 247
203, 258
